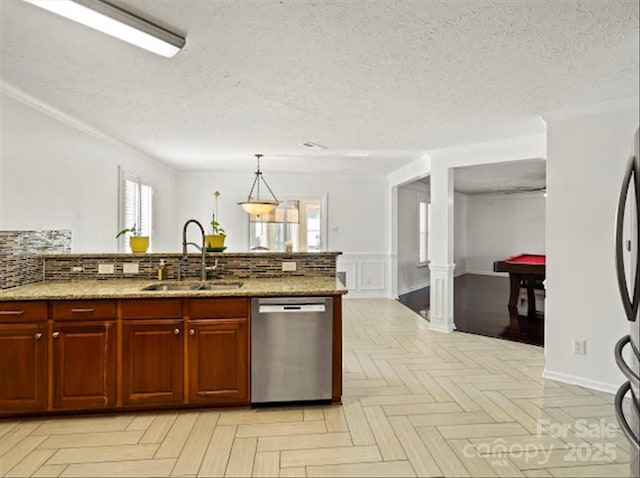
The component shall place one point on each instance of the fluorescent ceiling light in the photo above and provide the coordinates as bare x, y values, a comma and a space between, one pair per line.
107, 18
311, 144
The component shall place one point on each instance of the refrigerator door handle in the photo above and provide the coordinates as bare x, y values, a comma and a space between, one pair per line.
624, 424
630, 303
632, 376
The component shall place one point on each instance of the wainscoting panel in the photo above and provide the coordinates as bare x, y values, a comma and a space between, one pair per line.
367, 275
372, 275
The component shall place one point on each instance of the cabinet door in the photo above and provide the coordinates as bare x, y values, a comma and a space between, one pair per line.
152, 362
23, 367
84, 365
218, 361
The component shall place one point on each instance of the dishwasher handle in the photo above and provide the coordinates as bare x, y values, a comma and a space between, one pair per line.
288, 308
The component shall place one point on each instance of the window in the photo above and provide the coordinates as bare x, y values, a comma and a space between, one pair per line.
300, 221
136, 200
424, 218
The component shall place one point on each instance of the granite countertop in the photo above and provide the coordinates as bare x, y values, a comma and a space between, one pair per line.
132, 288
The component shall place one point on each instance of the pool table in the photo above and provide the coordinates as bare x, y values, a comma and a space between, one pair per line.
524, 270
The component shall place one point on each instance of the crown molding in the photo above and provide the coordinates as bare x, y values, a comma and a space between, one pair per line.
26, 99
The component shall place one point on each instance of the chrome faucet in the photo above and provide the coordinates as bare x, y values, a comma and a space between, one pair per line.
202, 248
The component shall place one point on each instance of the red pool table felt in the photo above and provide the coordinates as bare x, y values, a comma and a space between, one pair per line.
527, 259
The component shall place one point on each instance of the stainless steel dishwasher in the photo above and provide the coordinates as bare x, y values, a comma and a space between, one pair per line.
291, 349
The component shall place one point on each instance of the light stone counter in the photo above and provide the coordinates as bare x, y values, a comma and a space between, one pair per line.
132, 288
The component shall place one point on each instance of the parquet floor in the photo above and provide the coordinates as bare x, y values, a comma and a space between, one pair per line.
416, 403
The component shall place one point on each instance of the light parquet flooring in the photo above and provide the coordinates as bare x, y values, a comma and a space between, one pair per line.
416, 403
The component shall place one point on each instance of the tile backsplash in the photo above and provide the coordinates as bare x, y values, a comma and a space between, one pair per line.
230, 265
33, 256
21, 252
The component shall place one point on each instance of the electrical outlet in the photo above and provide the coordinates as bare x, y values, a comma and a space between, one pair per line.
130, 268
105, 269
77, 269
579, 347
289, 266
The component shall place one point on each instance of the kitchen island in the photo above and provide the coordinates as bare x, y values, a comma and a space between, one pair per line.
91, 345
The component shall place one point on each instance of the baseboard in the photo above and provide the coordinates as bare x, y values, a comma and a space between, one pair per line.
438, 328
487, 273
367, 295
413, 288
581, 381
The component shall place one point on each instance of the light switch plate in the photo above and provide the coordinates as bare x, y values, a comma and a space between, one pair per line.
105, 268
130, 268
289, 266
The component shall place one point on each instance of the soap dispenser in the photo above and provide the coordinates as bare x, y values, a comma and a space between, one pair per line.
162, 270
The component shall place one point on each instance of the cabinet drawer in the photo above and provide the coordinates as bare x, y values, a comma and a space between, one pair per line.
152, 309
84, 309
212, 308
20, 311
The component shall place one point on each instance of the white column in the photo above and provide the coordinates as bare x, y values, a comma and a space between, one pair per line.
441, 265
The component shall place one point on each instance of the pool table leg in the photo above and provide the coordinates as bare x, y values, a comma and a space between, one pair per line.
514, 280
514, 295
531, 298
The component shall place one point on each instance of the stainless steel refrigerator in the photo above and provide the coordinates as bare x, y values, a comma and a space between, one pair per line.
627, 400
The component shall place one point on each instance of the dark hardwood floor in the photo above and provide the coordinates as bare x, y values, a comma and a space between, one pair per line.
480, 307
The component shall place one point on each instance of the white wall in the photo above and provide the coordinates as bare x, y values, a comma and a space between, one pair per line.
55, 176
460, 239
585, 165
500, 226
411, 276
358, 219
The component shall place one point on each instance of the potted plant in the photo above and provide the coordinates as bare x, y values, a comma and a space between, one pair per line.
215, 241
138, 244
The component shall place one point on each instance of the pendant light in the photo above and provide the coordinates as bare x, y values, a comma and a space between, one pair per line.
257, 206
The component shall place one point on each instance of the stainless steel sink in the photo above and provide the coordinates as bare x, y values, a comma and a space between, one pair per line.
220, 285
211, 285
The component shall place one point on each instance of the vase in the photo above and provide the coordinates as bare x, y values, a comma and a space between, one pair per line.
215, 241
139, 244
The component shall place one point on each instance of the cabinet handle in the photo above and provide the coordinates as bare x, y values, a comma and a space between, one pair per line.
56, 335
11, 312
80, 311
38, 336
176, 331
192, 332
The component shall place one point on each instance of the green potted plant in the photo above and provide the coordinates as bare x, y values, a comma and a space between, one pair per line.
138, 244
215, 241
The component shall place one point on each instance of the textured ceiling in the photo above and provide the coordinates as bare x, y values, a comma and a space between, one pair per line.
507, 178
392, 78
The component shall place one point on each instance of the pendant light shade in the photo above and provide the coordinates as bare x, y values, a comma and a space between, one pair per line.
255, 205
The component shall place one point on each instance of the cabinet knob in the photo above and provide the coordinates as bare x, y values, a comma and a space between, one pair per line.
176, 331
38, 336
192, 332
56, 335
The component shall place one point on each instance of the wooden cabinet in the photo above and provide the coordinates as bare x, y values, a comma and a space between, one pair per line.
152, 353
23, 356
23, 367
218, 361
218, 351
84, 366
